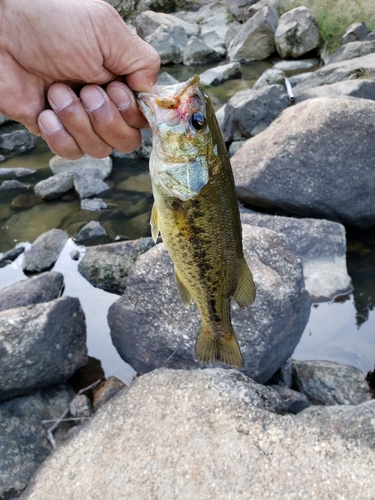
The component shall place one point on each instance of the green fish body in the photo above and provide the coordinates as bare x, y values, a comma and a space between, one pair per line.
196, 212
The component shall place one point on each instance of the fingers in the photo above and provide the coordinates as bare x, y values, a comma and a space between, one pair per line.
94, 124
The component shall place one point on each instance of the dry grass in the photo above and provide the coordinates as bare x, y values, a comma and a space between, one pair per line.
334, 16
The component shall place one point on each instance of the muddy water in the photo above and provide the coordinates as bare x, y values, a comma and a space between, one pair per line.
343, 330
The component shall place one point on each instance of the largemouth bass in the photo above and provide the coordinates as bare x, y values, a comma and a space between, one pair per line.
196, 212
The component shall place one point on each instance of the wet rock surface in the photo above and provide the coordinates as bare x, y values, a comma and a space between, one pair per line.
40, 345
108, 266
91, 232
286, 166
45, 250
161, 332
38, 289
219, 431
19, 141
54, 186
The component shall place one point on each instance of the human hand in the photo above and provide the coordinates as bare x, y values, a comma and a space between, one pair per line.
50, 47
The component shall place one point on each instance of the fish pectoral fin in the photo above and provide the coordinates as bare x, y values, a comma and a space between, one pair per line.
225, 349
154, 221
185, 295
245, 293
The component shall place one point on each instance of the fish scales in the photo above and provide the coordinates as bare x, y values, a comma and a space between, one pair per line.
196, 212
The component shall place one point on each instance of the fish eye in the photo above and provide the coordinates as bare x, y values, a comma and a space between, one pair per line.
198, 121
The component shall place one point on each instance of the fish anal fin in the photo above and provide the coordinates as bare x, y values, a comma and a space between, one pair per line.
225, 349
154, 221
185, 295
245, 293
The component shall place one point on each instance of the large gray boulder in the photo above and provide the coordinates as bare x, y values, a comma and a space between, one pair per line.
88, 182
19, 141
240, 9
359, 67
352, 50
249, 111
211, 434
169, 42
361, 88
220, 74
271, 76
198, 53
23, 436
40, 345
149, 21
356, 32
297, 33
102, 165
38, 289
151, 328
107, 266
316, 160
256, 39
45, 250
321, 246
330, 383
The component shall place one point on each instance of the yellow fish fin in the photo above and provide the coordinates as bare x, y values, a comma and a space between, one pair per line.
225, 349
154, 221
245, 293
185, 295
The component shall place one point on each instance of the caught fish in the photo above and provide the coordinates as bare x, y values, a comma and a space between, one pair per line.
196, 212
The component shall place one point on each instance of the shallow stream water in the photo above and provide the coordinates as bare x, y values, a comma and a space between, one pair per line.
342, 330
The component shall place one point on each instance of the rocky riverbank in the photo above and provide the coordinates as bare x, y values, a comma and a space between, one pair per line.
282, 428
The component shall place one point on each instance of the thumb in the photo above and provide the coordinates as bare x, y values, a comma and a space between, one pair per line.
126, 54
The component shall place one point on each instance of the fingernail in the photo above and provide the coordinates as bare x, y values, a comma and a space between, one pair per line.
49, 122
120, 97
92, 98
60, 97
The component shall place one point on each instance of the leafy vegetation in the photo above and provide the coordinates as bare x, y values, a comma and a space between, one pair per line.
335, 16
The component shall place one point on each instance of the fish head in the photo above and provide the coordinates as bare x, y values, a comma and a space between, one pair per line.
181, 118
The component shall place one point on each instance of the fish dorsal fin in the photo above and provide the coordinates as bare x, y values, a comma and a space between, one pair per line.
245, 293
185, 295
154, 221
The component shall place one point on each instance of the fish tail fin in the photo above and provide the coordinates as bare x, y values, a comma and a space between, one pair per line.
225, 349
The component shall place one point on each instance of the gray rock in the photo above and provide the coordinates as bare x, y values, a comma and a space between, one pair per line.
271, 76
355, 33
75, 255
19, 141
295, 65
249, 112
331, 383
235, 146
255, 41
288, 167
91, 231
321, 246
149, 21
124, 7
13, 185
169, 42
107, 266
240, 9
93, 204
352, 50
362, 88
11, 255
197, 53
160, 331
80, 407
4, 119
220, 74
212, 39
371, 36
294, 401
38, 289
165, 78
213, 17
215, 439
16, 172
358, 67
41, 345
106, 390
103, 165
297, 33
45, 250
88, 183
23, 437
2, 158
54, 186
